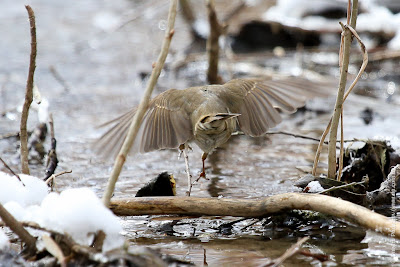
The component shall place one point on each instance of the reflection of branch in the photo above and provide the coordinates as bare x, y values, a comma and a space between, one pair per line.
256, 208
188, 16
59, 78
213, 43
28, 94
137, 120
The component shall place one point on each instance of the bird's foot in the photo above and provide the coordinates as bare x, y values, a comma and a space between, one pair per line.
202, 175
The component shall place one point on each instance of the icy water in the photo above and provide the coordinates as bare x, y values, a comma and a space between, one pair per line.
101, 64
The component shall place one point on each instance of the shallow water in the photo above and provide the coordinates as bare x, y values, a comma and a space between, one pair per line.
101, 67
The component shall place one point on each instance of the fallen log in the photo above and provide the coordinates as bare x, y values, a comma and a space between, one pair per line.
257, 208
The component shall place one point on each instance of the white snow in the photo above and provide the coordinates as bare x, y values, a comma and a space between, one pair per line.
375, 17
77, 212
314, 187
11, 189
4, 243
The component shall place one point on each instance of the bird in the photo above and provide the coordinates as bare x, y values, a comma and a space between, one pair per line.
208, 115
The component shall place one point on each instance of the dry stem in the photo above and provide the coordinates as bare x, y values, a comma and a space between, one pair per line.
257, 208
189, 176
28, 94
339, 100
137, 120
338, 112
12, 172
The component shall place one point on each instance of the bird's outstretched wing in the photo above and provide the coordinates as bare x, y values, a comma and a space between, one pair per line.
166, 124
258, 101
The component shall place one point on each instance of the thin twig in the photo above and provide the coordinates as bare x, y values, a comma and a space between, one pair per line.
54, 249
333, 188
52, 159
341, 148
313, 138
364, 64
28, 94
10, 135
53, 176
290, 252
319, 149
137, 120
189, 176
12, 172
296, 135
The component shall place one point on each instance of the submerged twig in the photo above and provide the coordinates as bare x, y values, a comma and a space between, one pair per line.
289, 252
28, 94
137, 120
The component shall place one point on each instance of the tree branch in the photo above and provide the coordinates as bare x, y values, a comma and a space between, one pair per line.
257, 208
28, 94
18, 229
213, 43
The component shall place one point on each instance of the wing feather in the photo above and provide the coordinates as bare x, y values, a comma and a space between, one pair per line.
166, 124
258, 100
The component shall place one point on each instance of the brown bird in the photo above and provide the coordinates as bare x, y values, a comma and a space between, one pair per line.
208, 115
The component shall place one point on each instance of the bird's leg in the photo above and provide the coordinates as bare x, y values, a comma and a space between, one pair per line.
184, 149
203, 173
